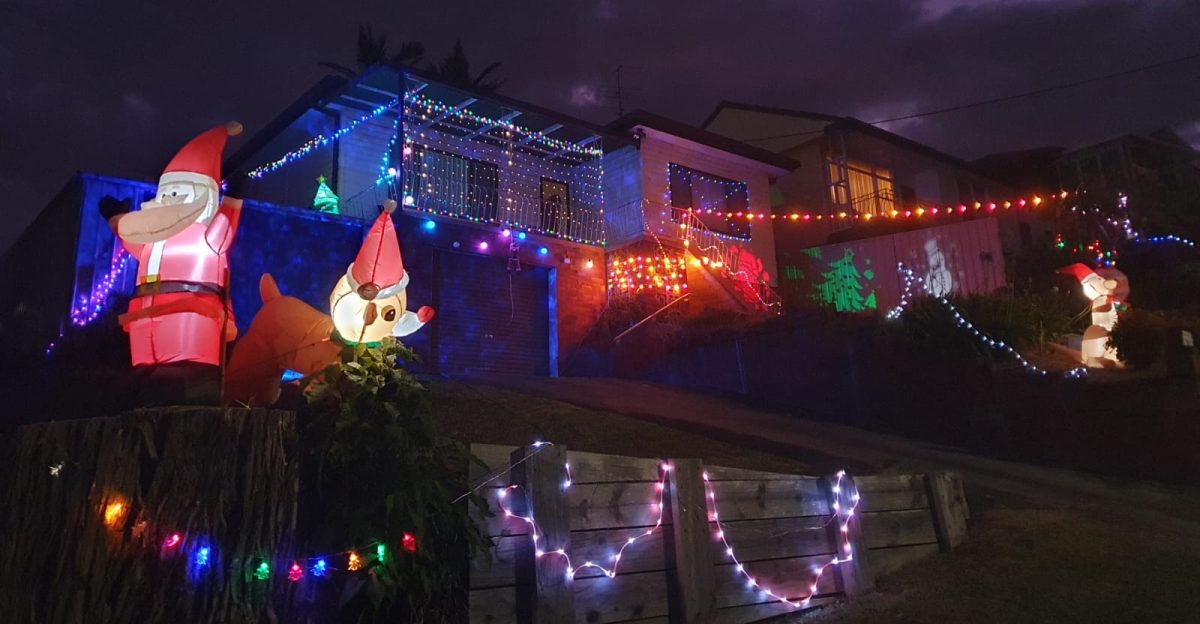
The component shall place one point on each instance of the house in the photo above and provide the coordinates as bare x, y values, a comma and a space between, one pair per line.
863, 199
516, 223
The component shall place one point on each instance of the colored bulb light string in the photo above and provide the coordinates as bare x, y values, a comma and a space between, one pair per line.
318, 141
539, 550
839, 512
906, 297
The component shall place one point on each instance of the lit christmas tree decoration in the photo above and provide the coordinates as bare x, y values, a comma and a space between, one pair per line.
295, 573
320, 568
408, 543
263, 571
114, 512
172, 541
380, 553
353, 562
325, 200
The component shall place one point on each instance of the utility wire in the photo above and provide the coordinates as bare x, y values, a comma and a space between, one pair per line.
1006, 98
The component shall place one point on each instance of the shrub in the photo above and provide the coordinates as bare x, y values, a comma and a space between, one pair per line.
1140, 335
1025, 321
378, 467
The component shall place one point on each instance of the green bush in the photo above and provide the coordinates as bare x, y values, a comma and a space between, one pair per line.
378, 467
1140, 335
1024, 321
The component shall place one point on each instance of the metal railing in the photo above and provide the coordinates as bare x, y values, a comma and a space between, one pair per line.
725, 259
571, 220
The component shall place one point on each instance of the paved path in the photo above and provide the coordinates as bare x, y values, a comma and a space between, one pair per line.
1141, 501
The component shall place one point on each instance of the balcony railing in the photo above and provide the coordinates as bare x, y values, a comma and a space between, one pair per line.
571, 220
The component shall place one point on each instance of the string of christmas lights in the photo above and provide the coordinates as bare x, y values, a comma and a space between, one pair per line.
572, 571
316, 142
918, 212
200, 554
441, 109
663, 272
838, 512
92, 306
906, 295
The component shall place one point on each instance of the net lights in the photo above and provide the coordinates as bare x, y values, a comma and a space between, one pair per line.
610, 571
663, 273
434, 107
906, 296
318, 141
839, 512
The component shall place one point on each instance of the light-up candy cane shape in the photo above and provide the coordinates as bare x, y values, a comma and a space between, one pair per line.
906, 299
838, 512
572, 571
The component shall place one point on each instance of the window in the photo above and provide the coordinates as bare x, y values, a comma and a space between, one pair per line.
455, 184
712, 197
861, 187
556, 206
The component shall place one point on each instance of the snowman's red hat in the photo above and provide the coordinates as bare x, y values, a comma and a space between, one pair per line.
1078, 270
199, 161
378, 271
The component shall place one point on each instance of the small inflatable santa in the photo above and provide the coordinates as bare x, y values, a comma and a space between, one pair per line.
1106, 289
181, 238
370, 301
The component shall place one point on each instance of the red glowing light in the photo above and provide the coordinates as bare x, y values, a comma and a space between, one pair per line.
408, 543
172, 540
295, 573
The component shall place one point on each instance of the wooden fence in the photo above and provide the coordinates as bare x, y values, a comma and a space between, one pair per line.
680, 571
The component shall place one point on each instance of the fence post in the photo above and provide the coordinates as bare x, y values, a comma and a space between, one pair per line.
544, 594
855, 574
949, 508
691, 583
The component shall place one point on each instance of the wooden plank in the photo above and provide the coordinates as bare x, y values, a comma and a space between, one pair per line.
888, 560
754, 613
545, 595
599, 468
790, 577
724, 473
847, 534
690, 583
492, 606
774, 538
882, 529
949, 507
613, 505
600, 600
892, 492
754, 500
646, 555
498, 525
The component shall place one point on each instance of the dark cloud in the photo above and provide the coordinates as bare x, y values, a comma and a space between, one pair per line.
116, 87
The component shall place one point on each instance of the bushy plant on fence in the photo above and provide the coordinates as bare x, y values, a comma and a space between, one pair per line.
1025, 321
1141, 335
377, 468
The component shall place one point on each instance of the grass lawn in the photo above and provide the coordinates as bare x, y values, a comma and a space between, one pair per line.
1019, 565
1038, 565
485, 414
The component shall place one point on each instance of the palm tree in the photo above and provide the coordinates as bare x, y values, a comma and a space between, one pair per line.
372, 49
455, 69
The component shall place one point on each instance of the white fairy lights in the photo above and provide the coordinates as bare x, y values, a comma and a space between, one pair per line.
539, 549
839, 512
906, 296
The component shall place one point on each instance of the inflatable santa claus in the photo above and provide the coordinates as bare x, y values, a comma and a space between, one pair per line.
181, 238
370, 302
1106, 289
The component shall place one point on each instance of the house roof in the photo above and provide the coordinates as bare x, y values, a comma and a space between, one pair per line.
704, 137
848, 123
379, 84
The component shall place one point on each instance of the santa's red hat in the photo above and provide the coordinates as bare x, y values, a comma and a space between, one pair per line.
378, 271
200, 159
1078, 270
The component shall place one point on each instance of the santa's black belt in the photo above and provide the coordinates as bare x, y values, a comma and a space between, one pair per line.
168, 287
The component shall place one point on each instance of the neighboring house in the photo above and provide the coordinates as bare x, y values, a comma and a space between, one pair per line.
516, 223
1156, 172
855, 182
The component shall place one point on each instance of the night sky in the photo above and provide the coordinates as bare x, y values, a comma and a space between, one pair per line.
114, 89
